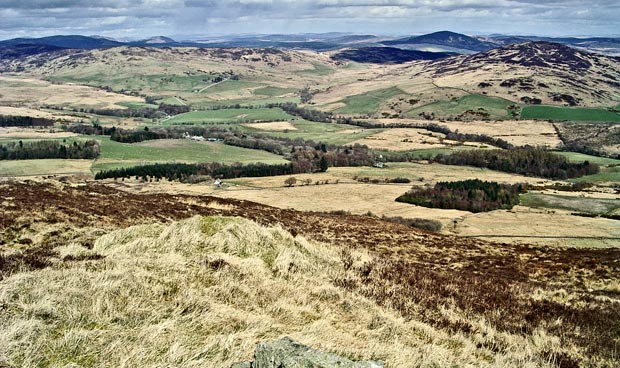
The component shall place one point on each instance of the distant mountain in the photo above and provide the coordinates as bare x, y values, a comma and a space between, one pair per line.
69, 42
157, 40
447, 39
387, 55
24, 50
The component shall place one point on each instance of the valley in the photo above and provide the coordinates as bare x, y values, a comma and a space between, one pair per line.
204, 199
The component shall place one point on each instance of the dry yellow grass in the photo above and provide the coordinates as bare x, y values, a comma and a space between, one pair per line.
517, 132
36, 113
202, 292
347, 194
16, 132
276, 126
540, 226
44, 167
30, 92
403, 139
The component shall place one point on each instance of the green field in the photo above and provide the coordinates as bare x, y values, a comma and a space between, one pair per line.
227, 86
594, 206
318, 70
369, 102
569, 113
229, 115
607, 175
580, 157
496, 107
115, 155
140, 82
273, 91
167, 150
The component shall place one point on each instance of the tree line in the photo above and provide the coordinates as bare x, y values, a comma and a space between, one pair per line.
93, 129
146, 112
468, 195
183, 172
49, 149
24, 121
523, 161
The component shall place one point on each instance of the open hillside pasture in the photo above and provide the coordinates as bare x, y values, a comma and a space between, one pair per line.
569, 113
469, 107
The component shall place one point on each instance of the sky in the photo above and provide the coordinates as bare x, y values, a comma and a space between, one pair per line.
136, 19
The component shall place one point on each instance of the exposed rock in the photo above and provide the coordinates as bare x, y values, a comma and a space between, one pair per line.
286, 353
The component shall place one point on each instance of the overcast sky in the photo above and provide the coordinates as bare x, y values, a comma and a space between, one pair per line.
144, 18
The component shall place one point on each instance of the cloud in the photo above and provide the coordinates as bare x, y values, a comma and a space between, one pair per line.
143, 18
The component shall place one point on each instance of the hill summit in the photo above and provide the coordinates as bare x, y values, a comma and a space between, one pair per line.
446, 38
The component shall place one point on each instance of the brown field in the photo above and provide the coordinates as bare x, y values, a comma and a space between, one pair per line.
32, 93
540, 226
33, 168
19, 132
404, 139
343, 193
276, 126
517, 132
35, 113
77, 277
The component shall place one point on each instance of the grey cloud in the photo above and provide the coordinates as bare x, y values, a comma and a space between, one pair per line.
148, 17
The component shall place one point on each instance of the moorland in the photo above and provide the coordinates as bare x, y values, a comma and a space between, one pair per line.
459, 208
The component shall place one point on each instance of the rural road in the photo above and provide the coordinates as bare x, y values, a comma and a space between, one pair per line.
211, 85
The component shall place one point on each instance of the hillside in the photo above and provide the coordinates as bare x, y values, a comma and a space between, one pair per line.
387, 55
106, 276
445, 38
551, 72
70, 42
399, 85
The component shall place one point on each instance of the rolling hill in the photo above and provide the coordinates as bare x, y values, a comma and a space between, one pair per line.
447, 39
551, 72
387, 55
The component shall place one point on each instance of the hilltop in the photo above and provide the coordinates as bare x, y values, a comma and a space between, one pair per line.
445, 38
552, 73
210, 277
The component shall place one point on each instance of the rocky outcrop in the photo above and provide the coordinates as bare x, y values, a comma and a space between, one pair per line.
286, 353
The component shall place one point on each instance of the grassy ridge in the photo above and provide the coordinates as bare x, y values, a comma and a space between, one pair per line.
580, 157
369, 102
115, 154
496, 107
569, 113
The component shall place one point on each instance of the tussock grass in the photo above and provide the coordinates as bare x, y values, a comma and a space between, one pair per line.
203, 291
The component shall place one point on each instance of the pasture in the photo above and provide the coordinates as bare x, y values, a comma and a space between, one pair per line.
369, 102
569, 113
495, 107
115, 154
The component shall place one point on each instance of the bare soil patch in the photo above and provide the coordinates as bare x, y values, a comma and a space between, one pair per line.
276, 126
